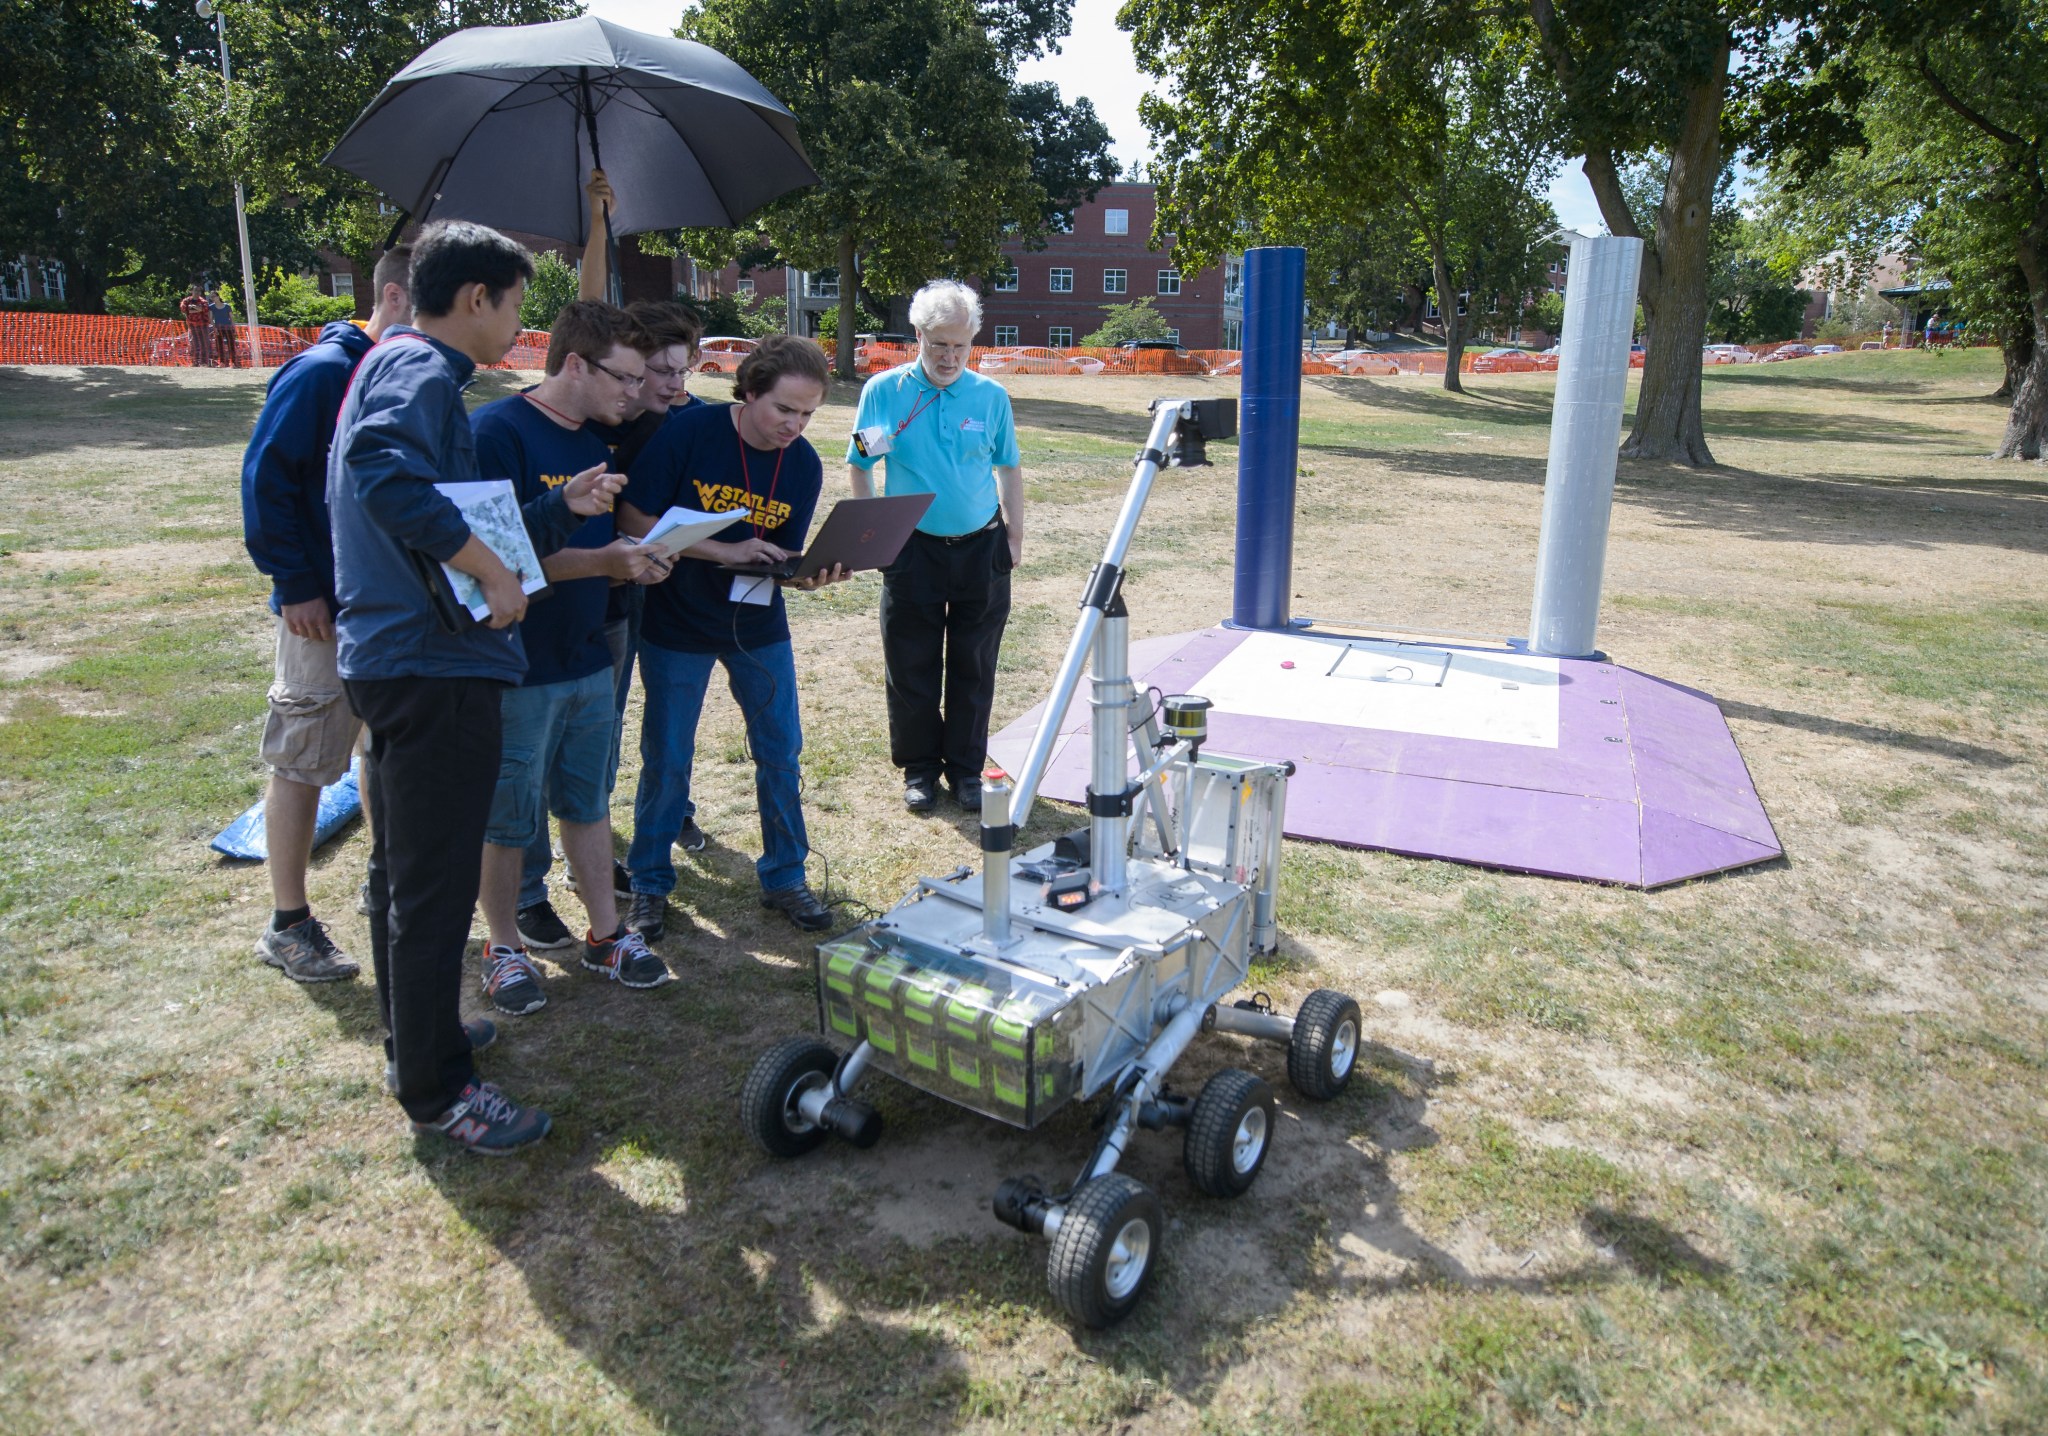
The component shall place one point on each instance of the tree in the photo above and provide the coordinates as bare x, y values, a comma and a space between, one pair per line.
1136, 320
1921, 126
909, 112
553, 286
1302, 120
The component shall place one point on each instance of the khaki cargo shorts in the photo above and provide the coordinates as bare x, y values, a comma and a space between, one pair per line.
311, 731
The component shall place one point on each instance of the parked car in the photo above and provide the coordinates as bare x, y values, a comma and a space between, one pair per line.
1157, 356
1505, 361
1787, 351
1360, 361
721, 354
1034, 359
1827, 349
1726, 354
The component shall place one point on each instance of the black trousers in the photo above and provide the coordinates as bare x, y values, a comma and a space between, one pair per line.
944, 604
431, 765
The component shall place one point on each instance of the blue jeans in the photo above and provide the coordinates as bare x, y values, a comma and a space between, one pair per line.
622, 637
763, 683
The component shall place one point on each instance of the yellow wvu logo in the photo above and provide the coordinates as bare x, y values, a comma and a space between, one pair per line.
722, 498
555, 481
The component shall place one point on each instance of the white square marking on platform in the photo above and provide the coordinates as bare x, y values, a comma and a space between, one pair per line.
1484, 696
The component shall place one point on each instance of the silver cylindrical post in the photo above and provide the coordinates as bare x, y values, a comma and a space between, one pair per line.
997, 839
1109, 770
1585, 439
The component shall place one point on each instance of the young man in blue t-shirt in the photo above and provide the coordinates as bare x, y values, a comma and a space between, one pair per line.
558, 720
750, 456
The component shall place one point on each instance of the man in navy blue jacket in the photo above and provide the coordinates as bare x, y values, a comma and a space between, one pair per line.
426, 687
310, 732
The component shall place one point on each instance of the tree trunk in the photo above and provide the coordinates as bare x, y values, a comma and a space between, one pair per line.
2026, 425
1668, 424
1447, 306
849, 304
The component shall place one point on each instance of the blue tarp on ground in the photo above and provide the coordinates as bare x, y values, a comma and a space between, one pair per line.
245, 838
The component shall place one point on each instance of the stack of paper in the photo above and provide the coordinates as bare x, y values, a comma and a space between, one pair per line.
679, 529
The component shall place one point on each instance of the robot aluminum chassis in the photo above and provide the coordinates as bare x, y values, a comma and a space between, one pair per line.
1087, 966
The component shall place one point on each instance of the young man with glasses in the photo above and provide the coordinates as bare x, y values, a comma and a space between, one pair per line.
558, 720
946, 598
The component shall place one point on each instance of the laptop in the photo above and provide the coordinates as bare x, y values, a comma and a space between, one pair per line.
857, 534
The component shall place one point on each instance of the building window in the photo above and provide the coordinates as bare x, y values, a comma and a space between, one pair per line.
344, 286
821, 284
1169, 281
1060, 336
53, 278
1233, 281
1116, 221
1061, 281
1115, 281
13, 281
746, 284
1004, 283
1006, 335
1061, 223
1233, 333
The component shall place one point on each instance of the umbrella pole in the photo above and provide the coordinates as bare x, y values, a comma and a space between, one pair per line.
615, 291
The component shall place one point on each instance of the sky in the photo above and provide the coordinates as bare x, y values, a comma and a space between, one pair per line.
1095, 61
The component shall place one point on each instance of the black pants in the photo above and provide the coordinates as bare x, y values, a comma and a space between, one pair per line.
944, 604
431, 767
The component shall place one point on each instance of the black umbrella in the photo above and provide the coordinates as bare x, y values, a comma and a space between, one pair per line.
503, 124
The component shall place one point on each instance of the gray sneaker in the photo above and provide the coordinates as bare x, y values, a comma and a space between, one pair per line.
647, 914
306, 953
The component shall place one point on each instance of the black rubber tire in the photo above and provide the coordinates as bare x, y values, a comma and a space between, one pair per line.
1079, 1268
772, 1082
1324, 1052
1211, 1152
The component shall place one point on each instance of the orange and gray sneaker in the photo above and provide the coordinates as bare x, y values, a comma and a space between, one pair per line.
511, 981
485, 1121
624, 957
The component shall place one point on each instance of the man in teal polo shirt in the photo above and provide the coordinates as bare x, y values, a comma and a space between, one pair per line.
939, 428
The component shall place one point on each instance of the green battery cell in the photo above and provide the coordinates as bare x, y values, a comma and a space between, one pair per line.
841, 1016
1008, 1083
967, 1012
842, 967
883, 1031
967, 1066
879, 983
923, 994
922, 1048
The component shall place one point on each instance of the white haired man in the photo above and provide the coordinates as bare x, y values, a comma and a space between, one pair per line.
946, 431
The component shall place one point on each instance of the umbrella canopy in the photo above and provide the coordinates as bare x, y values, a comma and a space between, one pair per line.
503, 124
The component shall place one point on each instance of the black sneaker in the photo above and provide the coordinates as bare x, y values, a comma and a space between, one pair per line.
624, 958
485, 1121
801, 906
622, 881
920, 795
511, 981
647, 914
541, 930
967, 793
481, 1031
691, 838
306, 953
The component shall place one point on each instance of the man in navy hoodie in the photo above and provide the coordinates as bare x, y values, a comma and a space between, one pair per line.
310, 732
427, 683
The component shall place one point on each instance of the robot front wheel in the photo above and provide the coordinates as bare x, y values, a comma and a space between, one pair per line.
1104, 1251
1323, 1052
1229, 1133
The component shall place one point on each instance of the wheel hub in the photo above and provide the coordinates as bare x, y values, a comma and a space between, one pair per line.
793, 1116
1250, 1141
1128, 1256
1343, 1048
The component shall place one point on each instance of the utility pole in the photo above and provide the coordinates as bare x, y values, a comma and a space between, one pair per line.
207, 11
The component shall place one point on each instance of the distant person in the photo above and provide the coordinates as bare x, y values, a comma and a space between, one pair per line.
198, 317
558, 742
310, 732
428, 687
223, 315
749, 456
946, 598
669, 333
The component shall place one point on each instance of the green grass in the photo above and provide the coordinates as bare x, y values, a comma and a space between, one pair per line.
1760, 1153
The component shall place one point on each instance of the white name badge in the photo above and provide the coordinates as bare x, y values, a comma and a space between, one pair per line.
752, 588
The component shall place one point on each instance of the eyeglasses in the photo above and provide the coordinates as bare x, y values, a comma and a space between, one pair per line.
662, 371
631, 381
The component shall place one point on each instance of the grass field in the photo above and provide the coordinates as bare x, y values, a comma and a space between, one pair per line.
1767, 1153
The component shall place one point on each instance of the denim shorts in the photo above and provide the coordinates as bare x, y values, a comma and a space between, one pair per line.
557, 750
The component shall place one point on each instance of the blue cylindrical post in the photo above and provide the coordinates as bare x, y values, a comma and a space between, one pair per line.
1269, 436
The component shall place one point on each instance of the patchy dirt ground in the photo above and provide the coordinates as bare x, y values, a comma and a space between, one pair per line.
1764, 1152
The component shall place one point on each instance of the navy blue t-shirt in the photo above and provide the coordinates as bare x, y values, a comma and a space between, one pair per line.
564, 632
698, 461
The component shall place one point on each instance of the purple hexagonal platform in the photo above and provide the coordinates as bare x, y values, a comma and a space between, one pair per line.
1565, 767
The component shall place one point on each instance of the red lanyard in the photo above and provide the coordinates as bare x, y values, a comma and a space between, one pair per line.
753, 514
931, 397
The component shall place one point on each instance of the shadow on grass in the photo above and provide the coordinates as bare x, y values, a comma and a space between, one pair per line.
1650, 1249
1869, 733
50, 412
1519, 408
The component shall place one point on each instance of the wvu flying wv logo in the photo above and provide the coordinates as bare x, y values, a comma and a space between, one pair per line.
722, 498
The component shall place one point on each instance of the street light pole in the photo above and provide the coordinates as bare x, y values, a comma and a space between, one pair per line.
208, 11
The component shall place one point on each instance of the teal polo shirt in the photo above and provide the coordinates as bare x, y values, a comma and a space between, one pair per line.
959, 436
